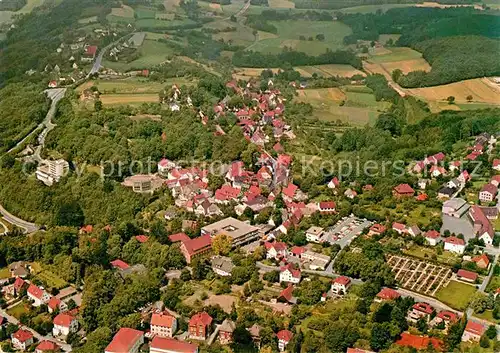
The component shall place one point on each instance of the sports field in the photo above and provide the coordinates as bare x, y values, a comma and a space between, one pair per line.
291, 34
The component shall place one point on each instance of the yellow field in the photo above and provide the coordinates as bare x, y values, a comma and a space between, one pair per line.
335, 94
481, 90
113, 99
443, 6
124, 11
281, 4
407, 65
246, 73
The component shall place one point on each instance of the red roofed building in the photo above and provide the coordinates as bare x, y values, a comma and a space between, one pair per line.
56, 304
387, 294
86, 229
482, 261
119, 264
495, 180
473, 332
284, 159
422, 197
141, 238
289, 274
297, 251
496, 164
420, 310
126, 340
276, 250
289, 192
199, 326
334, 183
419, 342
91, 50
376, 229
483, 229
445, 316
327, 207
465, 275
284, 337
22, 339
432, 236
163, 325
15, 288
226, 193
170, 345
400, 228
196, 247
403, 190
455, 245
182, 237
488, 193
38, 295
358, 350
47, 347
340, 285
64, 324
286, 295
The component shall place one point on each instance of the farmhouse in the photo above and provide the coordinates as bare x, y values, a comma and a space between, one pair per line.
126, 340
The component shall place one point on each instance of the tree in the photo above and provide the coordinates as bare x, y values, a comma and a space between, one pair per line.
69, 214
491, 332
221, 244
484, 341
469, 98
380, 336
200, 268
320, 37
450, 99
7, 161
185, 275
98, 105
273, 276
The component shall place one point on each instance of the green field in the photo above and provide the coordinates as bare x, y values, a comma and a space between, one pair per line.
17, 310
242, 36
397, 54
152, 53
51, 280
163, 24
456, 294
127, 86
289, 33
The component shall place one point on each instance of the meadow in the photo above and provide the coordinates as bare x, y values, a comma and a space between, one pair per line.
456, 294
152, 53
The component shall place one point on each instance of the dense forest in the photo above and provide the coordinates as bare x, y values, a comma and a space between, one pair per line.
12, 5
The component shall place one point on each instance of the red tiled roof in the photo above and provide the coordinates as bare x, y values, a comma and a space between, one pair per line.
54, 303
87, 229
357, 350
295, 273
197, 244
284, 335
496, 162
173, 345
433, 234
161, 319
182, 237
284, 159
399, 226
419, 342
63, 320
22, 335
91, 50
423, 307
200, 319
327, 205
19, 283
482, 257
377, 228
343, 280
447, 316
122, 265
290, 190
422, 197
388, 293
277, 245
404, 189
297, 250
454, 241
467, 274
490, 188
287, 293
35, 291
47, 346
475, 328
141, 238
335, 181
124, 340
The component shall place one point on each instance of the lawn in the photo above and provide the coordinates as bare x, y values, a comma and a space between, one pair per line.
152, 53
329, 70
494, 283
488, 316
17, 310
132, 99
128, 86
456, 294
291, 32
242, 36
146, 23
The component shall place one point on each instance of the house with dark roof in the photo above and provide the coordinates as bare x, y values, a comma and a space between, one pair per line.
226, 330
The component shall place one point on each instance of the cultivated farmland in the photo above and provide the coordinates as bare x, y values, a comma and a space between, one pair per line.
117, 99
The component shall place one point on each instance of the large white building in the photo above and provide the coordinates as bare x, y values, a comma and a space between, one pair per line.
240, 232
50, 172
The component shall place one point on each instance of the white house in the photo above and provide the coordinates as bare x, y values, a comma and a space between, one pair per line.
455, 245
289, 274
164, 166
22, 339
314, 234
488, 193
276, 250
340, 285
432, 237
163, 325
38, 295
473, 332
64, 324
334, 183
284, 337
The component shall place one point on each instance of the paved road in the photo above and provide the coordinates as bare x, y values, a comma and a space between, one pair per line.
100, 56
27, 226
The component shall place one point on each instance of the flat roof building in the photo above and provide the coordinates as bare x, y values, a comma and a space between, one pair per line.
240, 232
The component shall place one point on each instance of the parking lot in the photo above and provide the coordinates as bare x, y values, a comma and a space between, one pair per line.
345, 230
419, 276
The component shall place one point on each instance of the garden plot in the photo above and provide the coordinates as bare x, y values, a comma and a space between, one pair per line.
419, 276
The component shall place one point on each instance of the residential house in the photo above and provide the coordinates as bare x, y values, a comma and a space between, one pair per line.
419, 342
207, 209
435, 159
56, 304
387, 294
483, 229
448, 317
351, 194
467, 276
420, 310
64, 324
284, 337
473, 331
334, 183
496, 164
376, 229
22, 339
432, 237
488, 193
223, 266
276, 250
226, 331
340, 285
196, 247
289, 192
446, 192
314, 234
495, 180
403, 190
423, 183
47, 347
454, 244
437, 171
297, 251
289, 274
200, 326
119, 264
165, 166
126, 340
414, 231
481, 261
241, 233
286, 295
254, 331
163, 324
38, 295
170, 345
19, 269
326, 207
399, 228
14, 289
